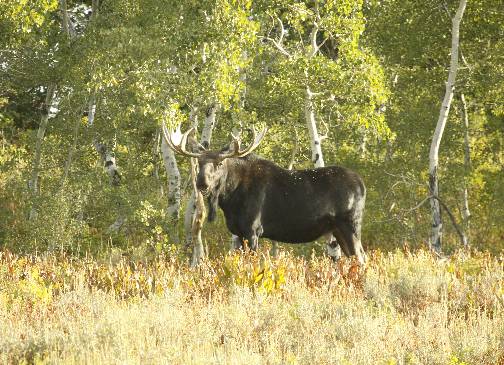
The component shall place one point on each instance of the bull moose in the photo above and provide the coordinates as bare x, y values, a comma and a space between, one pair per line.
261, 199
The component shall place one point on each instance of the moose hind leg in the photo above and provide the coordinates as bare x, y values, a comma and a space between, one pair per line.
251, 240
333, 248
350, 241
253, 235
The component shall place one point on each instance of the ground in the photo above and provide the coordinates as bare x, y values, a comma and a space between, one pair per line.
403, 308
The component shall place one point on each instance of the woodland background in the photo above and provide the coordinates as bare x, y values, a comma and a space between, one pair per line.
85, 86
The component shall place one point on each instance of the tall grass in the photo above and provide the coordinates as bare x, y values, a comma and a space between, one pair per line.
404, 308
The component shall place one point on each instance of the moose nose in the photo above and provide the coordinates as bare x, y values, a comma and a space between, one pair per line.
201, 185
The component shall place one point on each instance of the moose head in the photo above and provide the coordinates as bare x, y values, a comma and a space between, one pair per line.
213, 165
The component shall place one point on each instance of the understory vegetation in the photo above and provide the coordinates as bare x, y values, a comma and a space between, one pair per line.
403, 308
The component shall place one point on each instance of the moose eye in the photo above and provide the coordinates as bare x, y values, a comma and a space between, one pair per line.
218, 164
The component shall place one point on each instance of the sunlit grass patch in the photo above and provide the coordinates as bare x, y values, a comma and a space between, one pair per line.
403, 308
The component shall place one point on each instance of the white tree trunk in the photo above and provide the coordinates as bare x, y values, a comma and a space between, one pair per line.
363, 143
466, 214
173, 174
315, 140
109, 163
115, 180
333, 250
206, 136
108, 159
156, 149
91, 109
107, 156
437, 225
208, 127
33, 184
198, 218
71, 150
193, 117
66, 24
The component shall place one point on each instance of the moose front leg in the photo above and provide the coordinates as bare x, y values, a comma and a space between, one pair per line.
251, 239
236, 243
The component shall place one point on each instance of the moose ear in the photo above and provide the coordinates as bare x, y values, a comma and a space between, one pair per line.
229, 148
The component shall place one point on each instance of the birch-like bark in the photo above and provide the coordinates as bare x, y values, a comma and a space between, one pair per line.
208, 127
66, 24
173, 174
109, 163
198, 218
437, 225
106, 154
156, 149
206, 136
193, 117
71, 151
363, 144
333, 249
466, 213
33, 184
311, 123
91, 108
309, 108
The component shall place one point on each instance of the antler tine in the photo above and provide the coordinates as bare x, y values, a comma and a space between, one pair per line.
236, 148
252, 146
236, 142
179, 148
183, 141
256, 140
167, 137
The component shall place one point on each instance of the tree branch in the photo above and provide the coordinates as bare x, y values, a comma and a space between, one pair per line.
278, 43
447, 210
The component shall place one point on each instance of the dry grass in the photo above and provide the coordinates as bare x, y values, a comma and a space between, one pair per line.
403, 309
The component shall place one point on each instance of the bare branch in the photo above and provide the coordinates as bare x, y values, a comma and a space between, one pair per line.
313, 40
464, 61
278, 43
326, 134
447, 210
294, 150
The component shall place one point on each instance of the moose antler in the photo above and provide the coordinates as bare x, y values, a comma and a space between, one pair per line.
236, 152
177, 141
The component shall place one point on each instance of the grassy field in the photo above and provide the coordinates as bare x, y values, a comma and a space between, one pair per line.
404, 308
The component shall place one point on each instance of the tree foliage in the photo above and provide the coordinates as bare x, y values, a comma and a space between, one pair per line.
377, 79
